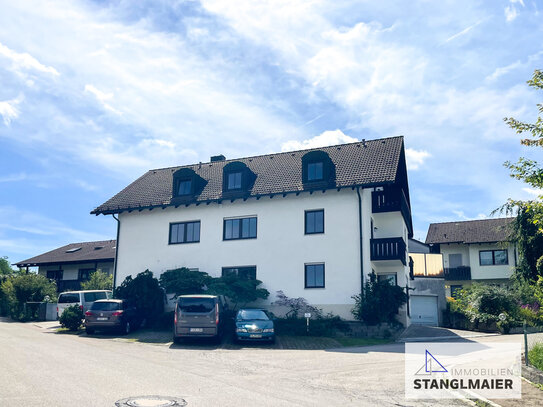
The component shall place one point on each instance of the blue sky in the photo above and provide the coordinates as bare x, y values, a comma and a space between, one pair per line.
95, 93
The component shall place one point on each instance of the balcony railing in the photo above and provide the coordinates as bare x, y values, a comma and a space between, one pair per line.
391, 200
458, 273
388, 249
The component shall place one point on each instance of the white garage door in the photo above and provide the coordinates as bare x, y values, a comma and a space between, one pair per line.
423, 310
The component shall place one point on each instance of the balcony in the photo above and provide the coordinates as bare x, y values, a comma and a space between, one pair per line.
458, 273
393, 248
391, 200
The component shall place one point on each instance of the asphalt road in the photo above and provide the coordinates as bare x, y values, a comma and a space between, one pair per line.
41, 368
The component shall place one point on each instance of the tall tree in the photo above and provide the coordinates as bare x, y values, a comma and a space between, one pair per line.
528, 227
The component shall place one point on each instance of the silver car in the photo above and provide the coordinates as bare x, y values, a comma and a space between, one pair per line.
199, 316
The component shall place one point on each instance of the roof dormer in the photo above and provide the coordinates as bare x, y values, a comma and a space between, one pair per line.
237, 178
186, 184
317, 169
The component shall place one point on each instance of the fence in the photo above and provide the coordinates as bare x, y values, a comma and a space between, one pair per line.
533, 346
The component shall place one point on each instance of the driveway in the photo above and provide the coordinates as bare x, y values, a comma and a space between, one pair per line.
42, 368
422, 333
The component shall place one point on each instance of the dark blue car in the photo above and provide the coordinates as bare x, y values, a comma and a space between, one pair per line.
254, 325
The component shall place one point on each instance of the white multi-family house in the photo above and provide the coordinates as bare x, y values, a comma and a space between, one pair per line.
312, 223
74, 263
474, 251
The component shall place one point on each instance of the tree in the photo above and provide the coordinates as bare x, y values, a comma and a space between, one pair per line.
26, 288
240, 291
98, 281
528, 228
146, 293
184, 281
5, 267
379, 302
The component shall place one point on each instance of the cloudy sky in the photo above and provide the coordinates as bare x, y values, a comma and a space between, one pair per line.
94, 93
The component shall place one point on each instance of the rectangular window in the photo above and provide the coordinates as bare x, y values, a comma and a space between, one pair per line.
54, 274
315, 171
184, 187
493, 257
314, 222
242, 228
185, 232
247, 272
314, 275
84, 274
234, 180
390, 277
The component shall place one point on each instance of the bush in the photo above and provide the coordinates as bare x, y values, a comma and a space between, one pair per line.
145, 292
379, 302
183, 281
20, 289
98, 281
535, 356
71, 318
297, 306
240, 291
484, 303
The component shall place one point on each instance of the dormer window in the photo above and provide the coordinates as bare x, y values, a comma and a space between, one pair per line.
315, 171
184, 187
234, 180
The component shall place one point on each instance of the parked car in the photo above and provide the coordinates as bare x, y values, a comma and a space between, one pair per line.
111, 314
199, 316
254, 325
82, 298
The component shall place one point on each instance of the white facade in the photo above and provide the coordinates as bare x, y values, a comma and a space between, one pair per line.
280, 250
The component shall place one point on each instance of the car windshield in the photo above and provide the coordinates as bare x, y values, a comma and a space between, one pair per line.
252, 314
105, 306
196, 305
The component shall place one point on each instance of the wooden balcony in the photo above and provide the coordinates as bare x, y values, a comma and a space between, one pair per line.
393, 248
391, 200
458, 273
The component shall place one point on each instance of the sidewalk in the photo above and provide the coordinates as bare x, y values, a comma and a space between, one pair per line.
421, 333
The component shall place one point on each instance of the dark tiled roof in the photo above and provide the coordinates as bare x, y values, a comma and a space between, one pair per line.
373, 162
473, 231
89, 251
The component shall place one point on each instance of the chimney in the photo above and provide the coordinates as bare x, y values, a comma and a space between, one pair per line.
215, 158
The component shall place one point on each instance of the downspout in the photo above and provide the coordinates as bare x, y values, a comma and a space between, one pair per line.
116, 251
361, 241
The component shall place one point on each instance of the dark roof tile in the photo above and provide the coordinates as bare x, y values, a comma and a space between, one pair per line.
473, 231
103, 250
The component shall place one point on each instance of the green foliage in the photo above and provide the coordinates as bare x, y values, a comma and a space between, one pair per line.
379, 302
5, 268
296, 306
98, 281
240, 291
71, 318
529, 240
146, 293
183, 281
19, 289
485, 302
328, 325
535, 356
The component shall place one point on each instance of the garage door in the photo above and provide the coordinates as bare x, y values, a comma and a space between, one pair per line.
423, 310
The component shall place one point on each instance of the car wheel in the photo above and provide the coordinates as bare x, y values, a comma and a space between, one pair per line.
89, 331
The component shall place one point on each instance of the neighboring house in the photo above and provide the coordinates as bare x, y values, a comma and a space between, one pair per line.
72, 264
475, 250
313, 223
427, 300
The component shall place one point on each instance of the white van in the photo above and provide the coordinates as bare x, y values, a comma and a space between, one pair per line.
82, 298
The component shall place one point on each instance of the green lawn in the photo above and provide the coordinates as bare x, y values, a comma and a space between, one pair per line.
535, 356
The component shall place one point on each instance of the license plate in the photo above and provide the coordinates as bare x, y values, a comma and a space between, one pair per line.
101, 319
196, 329
255, 336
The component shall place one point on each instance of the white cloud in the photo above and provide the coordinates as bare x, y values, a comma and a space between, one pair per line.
415, 158
9, 110
327, 138
464, 31
533, 192
14, 177
462, 216
511, 13
23, 61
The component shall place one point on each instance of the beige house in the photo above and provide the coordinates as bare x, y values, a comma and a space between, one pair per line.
475, 250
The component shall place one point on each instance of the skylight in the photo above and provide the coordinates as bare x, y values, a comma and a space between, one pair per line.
73, 250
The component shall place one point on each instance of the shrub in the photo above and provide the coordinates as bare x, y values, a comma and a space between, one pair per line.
145, 292
297, 306
484, 303
19, 289
184, 281
71, 318
328, 325
240, 291
379, 302
98, 281
535, 356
